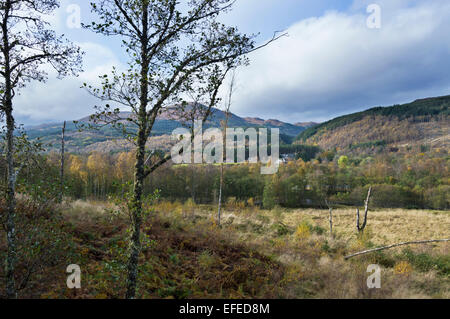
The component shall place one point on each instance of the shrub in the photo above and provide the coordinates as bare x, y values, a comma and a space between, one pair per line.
425, 262
206, 259
343, 161
438, 197
281, 229
303, 231
403, 268
234, 204
383, 259
318, 230
269, 196
386, 196
41, 241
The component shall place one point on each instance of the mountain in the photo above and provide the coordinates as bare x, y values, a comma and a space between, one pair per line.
306, 124
108, 139
422, 122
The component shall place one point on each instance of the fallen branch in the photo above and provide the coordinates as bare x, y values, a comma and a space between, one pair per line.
396, 245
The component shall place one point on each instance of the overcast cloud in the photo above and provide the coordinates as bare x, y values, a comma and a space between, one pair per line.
331, 63
334, 64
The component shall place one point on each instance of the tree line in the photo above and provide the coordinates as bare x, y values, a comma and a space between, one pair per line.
418, 180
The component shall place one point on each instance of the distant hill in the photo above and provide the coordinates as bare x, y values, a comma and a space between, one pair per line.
109, 140
306, 124
424, 121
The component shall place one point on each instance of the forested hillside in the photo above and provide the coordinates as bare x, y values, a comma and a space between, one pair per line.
424, 121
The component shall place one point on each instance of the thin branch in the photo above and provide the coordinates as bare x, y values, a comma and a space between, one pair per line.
212, 102
276, 36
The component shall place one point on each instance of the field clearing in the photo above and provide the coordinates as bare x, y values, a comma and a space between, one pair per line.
300, 240
386, 226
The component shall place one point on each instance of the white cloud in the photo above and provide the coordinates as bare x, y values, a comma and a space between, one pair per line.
329, 65
64, 99
334, 64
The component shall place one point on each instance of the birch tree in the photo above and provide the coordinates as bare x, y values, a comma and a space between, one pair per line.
27, 45
174, 48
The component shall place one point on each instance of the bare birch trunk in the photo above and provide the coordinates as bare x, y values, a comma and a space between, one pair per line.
331, 222
225, 126
330, 217
61, 173
220, 195
396, 245
359, 227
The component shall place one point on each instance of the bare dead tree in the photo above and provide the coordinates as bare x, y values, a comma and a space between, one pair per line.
359, 227
224, 128
330, 217
61, 173
396, 245
187, 114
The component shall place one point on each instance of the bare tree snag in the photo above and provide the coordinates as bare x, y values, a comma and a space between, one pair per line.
330, 218
396, 245
331, 222
61, 173
225, 126
360, 227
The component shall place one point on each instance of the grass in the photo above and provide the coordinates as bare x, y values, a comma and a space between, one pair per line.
299, 240
386, 226
279, 253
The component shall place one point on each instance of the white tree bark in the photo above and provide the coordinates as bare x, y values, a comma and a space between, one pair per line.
396, 245
225, 126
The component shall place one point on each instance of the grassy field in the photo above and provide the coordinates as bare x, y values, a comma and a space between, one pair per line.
384, 226
300, 241
255, 253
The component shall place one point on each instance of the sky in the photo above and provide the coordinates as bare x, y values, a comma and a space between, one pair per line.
339, 57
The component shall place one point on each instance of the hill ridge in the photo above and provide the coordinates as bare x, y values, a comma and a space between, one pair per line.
420, 121
440, 105
109, 139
